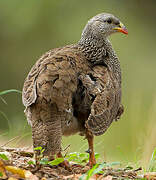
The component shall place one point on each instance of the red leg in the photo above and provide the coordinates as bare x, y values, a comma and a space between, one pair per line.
90, 138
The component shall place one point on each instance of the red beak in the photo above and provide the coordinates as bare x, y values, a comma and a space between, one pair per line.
123, 30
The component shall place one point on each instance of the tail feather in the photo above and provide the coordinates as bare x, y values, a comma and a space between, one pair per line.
46, 128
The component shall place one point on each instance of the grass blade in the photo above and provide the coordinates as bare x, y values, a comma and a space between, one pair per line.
91, 172
4, 115
9, 91
152, 163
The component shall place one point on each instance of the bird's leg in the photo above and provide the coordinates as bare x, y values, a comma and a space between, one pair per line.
65, 163
90, 138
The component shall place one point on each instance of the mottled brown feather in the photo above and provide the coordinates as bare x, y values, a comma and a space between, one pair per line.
76, 88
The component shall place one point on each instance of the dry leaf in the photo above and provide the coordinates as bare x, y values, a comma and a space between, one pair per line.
108, 178
30, 176
16, 170
12, 178
73, 176
150, 175
21, 172
2, 170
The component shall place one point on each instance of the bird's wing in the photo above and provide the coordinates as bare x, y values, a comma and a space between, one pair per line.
107, 99
29, 93
54, 76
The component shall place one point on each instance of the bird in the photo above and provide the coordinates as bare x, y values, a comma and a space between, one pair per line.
75, 89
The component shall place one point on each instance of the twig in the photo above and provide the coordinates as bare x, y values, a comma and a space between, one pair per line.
66, 148
139, 169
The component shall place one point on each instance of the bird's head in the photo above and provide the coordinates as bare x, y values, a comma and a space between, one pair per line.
103, 25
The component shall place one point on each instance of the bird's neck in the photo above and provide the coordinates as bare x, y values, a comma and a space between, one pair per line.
100, 50
93, 48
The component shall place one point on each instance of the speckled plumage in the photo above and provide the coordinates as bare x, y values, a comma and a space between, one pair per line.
74, 89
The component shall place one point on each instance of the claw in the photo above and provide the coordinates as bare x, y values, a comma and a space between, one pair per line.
88, 151
65, 163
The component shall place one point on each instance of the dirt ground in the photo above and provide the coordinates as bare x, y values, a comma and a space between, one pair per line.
19, 168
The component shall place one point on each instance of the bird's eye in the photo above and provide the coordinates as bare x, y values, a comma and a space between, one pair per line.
109, 21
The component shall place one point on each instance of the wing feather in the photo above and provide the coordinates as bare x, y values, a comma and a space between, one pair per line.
107, 92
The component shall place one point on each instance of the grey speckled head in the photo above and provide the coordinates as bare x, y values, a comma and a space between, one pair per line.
102, 25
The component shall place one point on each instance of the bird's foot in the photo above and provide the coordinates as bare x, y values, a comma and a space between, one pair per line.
65, 164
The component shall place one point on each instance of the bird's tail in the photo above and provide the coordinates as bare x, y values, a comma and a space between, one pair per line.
46, 128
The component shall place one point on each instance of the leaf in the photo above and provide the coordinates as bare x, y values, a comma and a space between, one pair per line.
9, 91
12, 178
150, 175
56, 161
30, 176
31, 162
38, 148
78, 157
42, 151
99, 169
97, 155
83, 154
2, 170
16, 170
90, 173
2, 173
4, 157
44, 161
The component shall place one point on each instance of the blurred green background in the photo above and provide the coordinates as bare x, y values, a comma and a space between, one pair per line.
29, 28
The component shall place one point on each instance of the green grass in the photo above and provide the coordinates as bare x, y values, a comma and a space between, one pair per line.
10, 91
152, 162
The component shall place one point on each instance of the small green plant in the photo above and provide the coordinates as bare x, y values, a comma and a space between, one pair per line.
39, 153
3, 156
40, 149
79, 158
98, 168
152, 163
31, 162
45, 161
1, 174
56, 161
